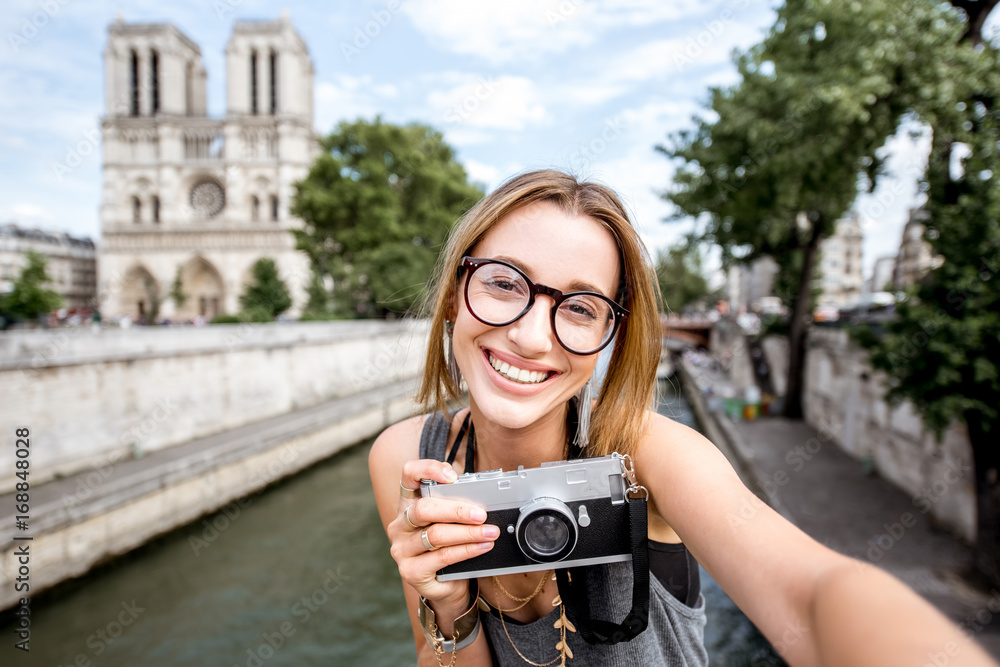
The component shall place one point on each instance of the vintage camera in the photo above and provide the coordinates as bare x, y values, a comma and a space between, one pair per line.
561, 514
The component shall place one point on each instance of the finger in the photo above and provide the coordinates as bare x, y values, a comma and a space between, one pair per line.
420, 469
421, 571
426, 511
443, 535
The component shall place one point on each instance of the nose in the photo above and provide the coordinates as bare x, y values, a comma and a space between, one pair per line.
533, 334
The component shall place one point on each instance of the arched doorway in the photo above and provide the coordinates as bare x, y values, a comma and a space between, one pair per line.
141, 297
203, 291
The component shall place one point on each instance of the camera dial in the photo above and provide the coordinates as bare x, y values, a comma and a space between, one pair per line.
546, 530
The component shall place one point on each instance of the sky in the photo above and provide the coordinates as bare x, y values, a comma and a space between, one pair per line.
589, 86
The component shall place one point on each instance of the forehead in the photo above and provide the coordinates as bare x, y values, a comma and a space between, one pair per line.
555, 248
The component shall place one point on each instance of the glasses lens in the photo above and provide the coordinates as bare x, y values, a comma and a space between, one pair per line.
584, 322
497, 293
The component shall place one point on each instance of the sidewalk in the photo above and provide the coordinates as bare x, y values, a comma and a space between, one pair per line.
827, 494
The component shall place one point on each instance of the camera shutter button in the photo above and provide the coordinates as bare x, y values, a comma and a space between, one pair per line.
583, 518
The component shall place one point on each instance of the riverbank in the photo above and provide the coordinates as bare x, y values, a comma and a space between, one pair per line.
800, 472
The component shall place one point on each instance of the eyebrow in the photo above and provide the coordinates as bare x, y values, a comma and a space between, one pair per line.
575, 286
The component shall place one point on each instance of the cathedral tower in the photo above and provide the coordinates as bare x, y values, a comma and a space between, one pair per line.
189, 202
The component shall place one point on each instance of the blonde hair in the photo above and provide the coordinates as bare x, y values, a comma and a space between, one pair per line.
618, 418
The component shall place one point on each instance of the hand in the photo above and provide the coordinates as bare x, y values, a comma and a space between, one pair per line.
454, 528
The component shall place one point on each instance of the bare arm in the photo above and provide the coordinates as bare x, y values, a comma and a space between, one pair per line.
457, 532
817, 607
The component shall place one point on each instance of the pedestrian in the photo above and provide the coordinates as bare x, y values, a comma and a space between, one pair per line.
537, 279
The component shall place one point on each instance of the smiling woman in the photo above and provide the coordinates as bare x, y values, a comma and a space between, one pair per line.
536, 279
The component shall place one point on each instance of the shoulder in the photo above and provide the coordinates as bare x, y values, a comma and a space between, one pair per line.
391, 450
664, 437
398, 443
689, 480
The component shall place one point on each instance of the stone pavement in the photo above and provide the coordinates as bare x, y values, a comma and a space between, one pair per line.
811, 481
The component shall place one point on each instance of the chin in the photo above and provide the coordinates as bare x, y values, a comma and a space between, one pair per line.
513, 413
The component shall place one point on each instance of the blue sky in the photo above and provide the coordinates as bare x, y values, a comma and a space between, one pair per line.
585, 85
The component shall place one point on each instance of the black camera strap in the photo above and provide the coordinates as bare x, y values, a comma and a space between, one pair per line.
470, 449
573, 589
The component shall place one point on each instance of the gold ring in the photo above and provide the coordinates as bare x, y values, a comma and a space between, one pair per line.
408, 520
408, 493
426, 541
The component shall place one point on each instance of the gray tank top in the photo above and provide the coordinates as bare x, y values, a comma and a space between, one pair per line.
675, 635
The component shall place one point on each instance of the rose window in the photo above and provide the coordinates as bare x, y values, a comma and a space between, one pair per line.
207, 199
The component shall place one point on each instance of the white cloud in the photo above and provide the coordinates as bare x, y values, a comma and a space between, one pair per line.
465, 136
348, 98
480, 172
503, 31
485, 102
26, 213
690, 62
500, 32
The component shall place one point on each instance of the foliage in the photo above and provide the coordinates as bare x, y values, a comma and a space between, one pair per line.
318, 316
266, 295
782, 154
377, 205
943, 349
153, 296
681, 277
177, 290
254, 315
29, 297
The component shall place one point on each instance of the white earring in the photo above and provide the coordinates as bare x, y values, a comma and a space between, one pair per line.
453, 369
584, 401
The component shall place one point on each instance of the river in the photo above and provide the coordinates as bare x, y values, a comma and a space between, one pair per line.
300, 575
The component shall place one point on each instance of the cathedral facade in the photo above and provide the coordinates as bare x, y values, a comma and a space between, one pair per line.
190, 203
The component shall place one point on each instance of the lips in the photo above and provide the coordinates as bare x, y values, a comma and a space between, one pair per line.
515, 374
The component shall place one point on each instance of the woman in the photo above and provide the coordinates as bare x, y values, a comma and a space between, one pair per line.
536, 279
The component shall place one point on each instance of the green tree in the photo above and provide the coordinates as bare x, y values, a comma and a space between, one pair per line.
153, 296
266, 296
377, 205
784, 152
681, 277
177, 290
942, 350
29, 297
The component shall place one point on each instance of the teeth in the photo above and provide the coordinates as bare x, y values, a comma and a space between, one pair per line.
517, 374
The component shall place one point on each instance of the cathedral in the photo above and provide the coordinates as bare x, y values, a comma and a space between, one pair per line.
190, 202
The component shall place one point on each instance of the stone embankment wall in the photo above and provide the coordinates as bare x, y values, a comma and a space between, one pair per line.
90, 397
844, 396
162, 426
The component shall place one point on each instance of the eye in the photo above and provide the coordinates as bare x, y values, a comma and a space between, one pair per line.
582, 308
499, 280
504, 284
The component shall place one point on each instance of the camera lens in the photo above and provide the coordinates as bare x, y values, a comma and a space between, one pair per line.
546, 530
546, 534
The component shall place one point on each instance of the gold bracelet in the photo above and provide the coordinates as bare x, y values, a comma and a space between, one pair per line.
466, 625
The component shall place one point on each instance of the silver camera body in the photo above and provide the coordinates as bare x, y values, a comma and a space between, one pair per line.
561, 514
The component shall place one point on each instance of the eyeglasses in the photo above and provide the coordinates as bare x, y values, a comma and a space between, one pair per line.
498, 293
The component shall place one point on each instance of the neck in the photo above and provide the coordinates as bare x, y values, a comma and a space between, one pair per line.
499, 447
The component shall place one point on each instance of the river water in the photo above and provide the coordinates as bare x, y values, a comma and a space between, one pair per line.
300, 575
